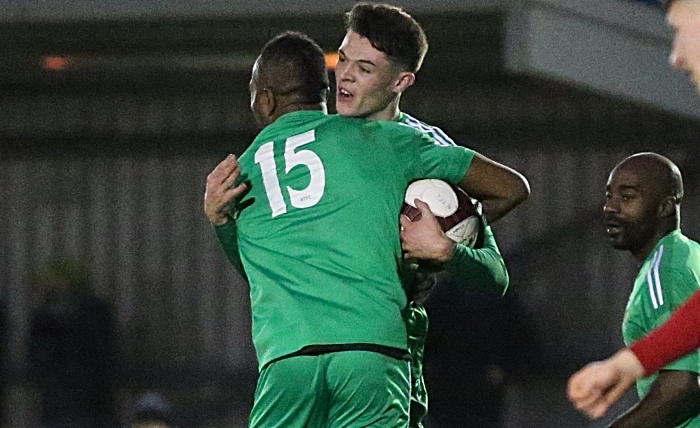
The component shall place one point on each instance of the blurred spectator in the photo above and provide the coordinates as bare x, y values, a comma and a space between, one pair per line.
151, 410
72, 349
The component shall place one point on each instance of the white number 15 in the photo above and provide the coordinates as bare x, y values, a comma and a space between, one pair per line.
303, 198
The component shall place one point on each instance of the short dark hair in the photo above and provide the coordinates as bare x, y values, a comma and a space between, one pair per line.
292, 63
391, 30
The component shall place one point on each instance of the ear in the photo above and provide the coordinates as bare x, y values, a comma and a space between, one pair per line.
268, 102
404, 81
667, 207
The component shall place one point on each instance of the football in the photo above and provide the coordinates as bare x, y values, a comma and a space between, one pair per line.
452, 207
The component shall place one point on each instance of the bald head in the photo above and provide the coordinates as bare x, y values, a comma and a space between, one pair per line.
642, 202
657, 174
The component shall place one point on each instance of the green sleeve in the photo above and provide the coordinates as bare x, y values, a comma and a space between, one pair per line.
424, 158
480, 268
227, 234
448, 163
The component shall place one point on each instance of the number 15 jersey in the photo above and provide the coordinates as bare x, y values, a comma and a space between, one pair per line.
318, 231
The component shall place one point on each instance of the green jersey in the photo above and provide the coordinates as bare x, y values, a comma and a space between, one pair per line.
667, 278
481, 269
318, 234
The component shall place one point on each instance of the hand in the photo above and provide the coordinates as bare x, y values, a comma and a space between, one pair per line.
424, 239
599, 385
220, 193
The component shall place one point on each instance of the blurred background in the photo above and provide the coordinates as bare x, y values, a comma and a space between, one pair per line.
112, 113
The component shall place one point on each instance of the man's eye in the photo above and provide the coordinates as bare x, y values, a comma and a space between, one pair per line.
364, 70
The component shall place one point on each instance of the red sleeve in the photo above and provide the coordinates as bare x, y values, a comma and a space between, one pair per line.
679, 336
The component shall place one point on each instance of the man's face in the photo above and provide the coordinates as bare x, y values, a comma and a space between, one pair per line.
630, 209
253, 87
684, 17
365, 79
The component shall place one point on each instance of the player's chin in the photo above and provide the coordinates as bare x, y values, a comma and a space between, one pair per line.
346, 108
618, 241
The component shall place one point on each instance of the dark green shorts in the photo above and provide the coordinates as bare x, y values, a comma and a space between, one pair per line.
335, 390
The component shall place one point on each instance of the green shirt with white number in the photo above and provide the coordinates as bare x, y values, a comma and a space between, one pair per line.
318, 232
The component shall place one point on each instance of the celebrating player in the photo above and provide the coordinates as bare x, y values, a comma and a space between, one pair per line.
382, 50
642, 215
599, 385
314, 230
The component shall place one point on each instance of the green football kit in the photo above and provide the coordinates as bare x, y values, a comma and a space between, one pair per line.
318, 240
482, 269
669, 276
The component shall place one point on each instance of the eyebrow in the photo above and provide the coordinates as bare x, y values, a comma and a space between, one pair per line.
629, 187
364, 61
623, 187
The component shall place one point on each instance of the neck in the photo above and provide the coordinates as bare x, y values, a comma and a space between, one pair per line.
389, 113
296, 106
642, 253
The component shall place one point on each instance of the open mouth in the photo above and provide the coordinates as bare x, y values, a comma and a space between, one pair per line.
613, 228
343, 94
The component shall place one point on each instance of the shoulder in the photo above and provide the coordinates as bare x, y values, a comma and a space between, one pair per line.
678, 252
675, 267
334, 124
438, 134
398, 132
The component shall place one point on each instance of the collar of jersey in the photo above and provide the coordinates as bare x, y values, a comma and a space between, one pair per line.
300, 115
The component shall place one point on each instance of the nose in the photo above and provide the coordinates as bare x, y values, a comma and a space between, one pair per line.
676, 58
343, 72
610, 206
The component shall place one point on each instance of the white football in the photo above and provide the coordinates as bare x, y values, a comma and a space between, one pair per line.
453, 208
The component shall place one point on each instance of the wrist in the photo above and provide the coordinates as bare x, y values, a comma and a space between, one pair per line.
447, 251
219, 221
627, 362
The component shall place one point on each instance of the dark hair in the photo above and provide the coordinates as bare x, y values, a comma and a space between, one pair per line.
292, 63
391, 30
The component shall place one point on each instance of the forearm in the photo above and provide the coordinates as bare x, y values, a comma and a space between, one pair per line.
481, 269
662, 415
643, 417
679, 336
227, 234
496, 208
498, 187
673, 398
